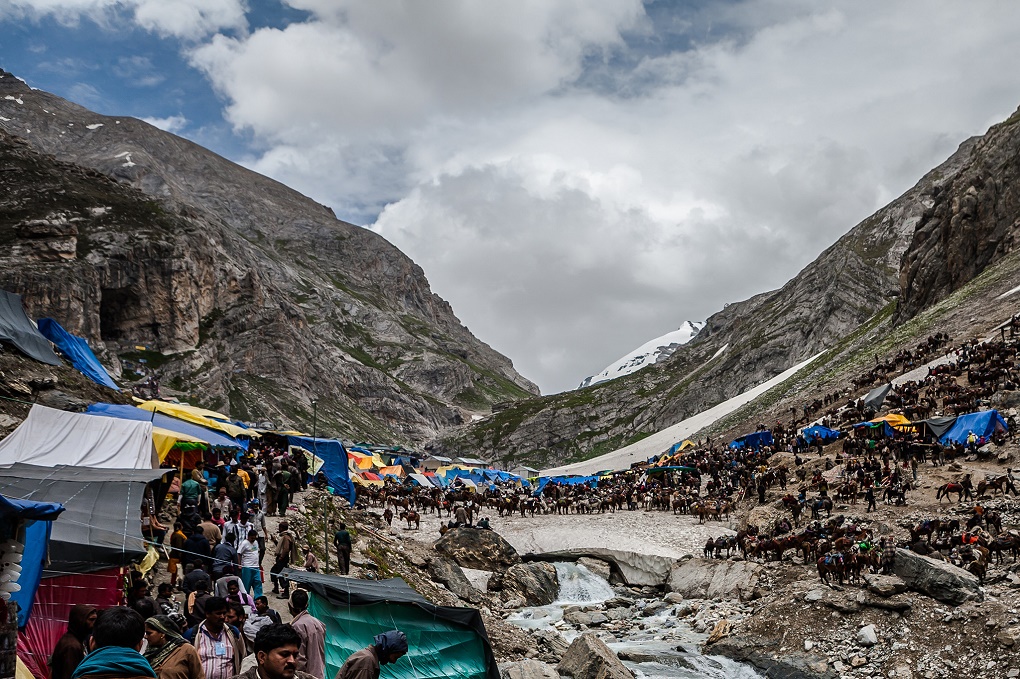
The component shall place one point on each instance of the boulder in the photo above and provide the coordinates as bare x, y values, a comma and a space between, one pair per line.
481, 549
867, 636
937, 579
453, 577
884, 585
713, 579
535, 583
528, 669
767, 657
1008, 637
589, 658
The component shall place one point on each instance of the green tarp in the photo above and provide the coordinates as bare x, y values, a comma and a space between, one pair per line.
443, 641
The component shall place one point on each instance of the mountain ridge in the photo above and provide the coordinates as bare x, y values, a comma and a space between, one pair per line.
649, 353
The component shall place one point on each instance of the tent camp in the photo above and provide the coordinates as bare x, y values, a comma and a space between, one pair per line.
819, 432
753, 441
30, 524
984, 423
50, 437
443, 641
200, 416
98, 535
17, 329
876, 397
77, 351
334, 463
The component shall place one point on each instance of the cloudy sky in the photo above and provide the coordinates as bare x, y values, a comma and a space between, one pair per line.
575, 176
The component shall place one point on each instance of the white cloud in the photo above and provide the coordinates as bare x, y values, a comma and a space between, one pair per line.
187, 19
172, 124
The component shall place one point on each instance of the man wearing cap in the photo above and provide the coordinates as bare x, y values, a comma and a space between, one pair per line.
386, 648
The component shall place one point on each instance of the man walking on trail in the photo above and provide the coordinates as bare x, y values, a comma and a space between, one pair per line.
342, 543
286, 554
312, 652
386, 648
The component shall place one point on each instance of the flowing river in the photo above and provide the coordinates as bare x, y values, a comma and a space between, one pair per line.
657, 645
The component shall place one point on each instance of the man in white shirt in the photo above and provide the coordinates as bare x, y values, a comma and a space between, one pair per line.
251, 577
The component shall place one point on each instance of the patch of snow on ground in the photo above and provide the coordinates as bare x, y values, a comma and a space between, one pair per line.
6, 120
94, 126
719, 353
17, 99
127, 158
647, 354
98, 211
661, 441
1009, 292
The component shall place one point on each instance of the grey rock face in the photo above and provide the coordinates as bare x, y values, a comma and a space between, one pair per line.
243, 290
528, 669
713, 579
482, 549
766, 658
453, 577
884, 585
535, 583
589, 658
937, 579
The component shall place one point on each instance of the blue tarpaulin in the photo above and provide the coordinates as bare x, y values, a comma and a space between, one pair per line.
39, 517
334, 463
753, 441
565, 481
984, 423
818, 431
887, 430
126, 412
77, 351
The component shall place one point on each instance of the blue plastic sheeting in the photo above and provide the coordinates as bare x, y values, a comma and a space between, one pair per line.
39, 518
887, 430
77, 351
565, 481
984, 423
334, 463
126, 412
496, 475
753, 441
824, 433
452, 474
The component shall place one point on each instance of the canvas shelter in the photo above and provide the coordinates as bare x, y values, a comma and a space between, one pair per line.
91, 544
936, 427
76, 350
753, 441
435, 462
984, 423
200, 416
169, 433
28, 523
334, 463
50, 437
819, 432
443, 641
876, 397
16, 328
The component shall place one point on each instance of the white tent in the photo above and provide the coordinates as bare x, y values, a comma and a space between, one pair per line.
50, 437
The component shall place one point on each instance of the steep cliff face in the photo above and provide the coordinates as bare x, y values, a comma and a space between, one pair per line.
745, 344
971, 224
243, 293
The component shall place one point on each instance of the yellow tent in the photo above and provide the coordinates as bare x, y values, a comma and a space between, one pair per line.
396, 470
893, 419
200, 416
164, 440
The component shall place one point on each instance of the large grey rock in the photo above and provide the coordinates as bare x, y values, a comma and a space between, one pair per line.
589, 658
528, 669
867, 636
884, 585
482, 549
453, 577
937, 579
713, 579
775, 664
634, 569
535, 583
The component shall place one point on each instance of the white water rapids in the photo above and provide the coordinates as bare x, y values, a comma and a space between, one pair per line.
667, 646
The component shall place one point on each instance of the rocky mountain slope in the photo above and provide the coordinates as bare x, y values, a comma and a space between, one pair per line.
844, 295
237, 291
649, 353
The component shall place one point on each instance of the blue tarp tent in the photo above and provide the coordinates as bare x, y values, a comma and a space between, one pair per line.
565, 481
334, 463
126, 412
827, 435
77, 351
887, 430
753, 441
38, 518
984, 423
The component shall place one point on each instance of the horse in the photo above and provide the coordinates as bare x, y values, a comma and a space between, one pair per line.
830, 564
388, 515
411, 516
946, 488
795, 507
818, 505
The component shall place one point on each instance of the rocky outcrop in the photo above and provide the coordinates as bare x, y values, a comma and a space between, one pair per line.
772, 663
589, 658
236, 287
482, 549
937, 579
528, 669
450, 575
633, 569
533, 583
969, 224
713, 579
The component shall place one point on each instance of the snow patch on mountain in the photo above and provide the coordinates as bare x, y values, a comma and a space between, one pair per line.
648, 353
